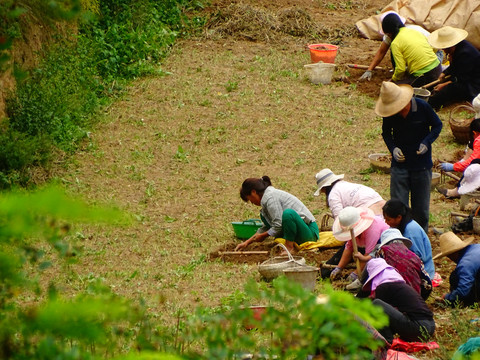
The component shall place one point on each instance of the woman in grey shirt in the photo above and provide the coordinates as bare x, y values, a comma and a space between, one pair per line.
282, 214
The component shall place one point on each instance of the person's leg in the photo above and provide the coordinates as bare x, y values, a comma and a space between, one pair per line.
400, 185
420, 182
451, 93
295, 229
399, 324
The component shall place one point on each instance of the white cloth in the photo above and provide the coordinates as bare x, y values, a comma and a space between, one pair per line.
345, 194
388, 41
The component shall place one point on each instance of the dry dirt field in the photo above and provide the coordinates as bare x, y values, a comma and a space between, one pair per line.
234, 103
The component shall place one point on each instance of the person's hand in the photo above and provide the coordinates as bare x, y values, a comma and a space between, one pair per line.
358, 255
422, 149
446, 166
335, 273
241, 246
367, 75
352, 277
398, 155
441, 86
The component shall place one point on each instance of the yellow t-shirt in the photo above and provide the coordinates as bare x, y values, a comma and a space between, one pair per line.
410, 49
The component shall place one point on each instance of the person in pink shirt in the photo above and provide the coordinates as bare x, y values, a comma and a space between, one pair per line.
367, 229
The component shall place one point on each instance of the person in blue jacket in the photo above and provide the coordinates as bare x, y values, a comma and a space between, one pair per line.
398, 215
409, 128
465, 279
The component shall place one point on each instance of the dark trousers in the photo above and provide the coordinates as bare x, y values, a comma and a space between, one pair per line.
408, 185
450, 94
406, 328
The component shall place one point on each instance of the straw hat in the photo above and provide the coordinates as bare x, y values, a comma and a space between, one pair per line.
393, 98
358, 219
326, 178
471, 179
394, 234
446, 37
377, 266
450, 243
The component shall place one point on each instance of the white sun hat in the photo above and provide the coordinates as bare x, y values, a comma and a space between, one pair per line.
358, 219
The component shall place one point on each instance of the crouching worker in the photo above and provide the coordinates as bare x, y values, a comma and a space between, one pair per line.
282, 214
366, 228
408, 314
465, 279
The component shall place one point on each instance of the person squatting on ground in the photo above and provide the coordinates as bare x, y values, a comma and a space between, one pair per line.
415, 61
282, 214
385, 45
367, 229
394, 249
398, 215
461, 166
340, 193
469, 182
465, 279
409, 128
408, 314
464, 68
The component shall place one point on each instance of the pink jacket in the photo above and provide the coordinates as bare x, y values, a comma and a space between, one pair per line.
369, 238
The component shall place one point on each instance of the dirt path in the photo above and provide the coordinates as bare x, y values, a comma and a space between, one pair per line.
174, 151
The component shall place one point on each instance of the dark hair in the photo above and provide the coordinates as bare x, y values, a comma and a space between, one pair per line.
474, 126
328, 189
394, 208
259, 185
391, 24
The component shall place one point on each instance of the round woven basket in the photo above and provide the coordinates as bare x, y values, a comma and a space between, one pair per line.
274, 266
461, 126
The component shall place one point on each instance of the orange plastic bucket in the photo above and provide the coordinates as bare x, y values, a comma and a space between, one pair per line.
323, 52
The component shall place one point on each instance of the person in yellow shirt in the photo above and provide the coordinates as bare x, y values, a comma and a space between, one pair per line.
415, 61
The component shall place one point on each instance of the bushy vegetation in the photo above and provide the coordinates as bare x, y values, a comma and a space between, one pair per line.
38, 322
112, 42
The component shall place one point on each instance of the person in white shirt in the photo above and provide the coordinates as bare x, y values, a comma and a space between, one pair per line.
341, 193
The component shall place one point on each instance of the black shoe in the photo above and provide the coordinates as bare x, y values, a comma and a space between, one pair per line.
442, 191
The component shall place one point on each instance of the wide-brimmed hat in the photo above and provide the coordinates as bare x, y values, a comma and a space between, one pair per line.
393, 234
471, 179
358, 219
324, 178
446, 37
393, 98
450, 243
379, 267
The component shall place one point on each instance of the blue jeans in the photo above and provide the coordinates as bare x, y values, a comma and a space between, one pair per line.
410, 185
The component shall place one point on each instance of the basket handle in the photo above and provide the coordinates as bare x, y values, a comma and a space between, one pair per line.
251, 221
290, 257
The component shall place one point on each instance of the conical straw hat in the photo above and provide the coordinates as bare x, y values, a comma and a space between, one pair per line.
446, 37
393, 98
450, 243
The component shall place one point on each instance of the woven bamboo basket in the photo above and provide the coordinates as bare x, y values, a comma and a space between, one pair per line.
274, 266
461, 126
